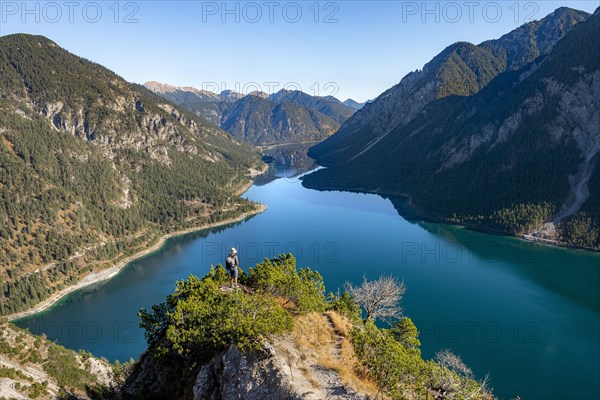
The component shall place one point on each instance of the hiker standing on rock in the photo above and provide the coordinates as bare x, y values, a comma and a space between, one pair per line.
232, 262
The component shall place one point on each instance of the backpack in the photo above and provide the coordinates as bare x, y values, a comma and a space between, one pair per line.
230, 262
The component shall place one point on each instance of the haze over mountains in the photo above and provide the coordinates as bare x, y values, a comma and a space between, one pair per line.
503, 135
261, 119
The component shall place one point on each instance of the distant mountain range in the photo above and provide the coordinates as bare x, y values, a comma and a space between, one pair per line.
353, 104
262, 119
93, 168
503, 135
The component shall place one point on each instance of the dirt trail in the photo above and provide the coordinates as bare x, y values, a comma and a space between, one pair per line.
330, 379
337, 348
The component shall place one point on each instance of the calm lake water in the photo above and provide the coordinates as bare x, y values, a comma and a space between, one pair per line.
528, 315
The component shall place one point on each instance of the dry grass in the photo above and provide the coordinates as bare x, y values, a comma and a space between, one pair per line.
8, 144
342, 325
325, 338
285, 302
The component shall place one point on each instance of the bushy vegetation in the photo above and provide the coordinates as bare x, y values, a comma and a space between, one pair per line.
207, 320
62, 365
392, 359
303, 290
581, 230
387, 361
200, 319
204, 317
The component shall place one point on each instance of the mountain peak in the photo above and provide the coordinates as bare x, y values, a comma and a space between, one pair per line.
353, 103
258, 93
461, 69
164, 88
230, 95
158, 87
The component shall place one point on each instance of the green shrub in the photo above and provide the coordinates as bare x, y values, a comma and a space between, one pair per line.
63, 366
344, 305
122, 370
388, 362
199, 320
217, 274
222, 277
279, 277
405, 332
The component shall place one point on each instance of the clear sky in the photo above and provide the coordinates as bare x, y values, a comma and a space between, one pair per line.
353, 49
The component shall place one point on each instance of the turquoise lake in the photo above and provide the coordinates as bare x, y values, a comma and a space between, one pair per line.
527, 314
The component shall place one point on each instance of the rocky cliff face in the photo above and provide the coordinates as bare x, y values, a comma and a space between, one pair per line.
33, 367
238, 375
276, 373
461, 69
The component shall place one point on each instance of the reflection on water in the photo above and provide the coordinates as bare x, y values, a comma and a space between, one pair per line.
540, 263
286, 162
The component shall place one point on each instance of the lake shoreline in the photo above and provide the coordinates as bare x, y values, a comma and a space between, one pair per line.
108, 273
415, 213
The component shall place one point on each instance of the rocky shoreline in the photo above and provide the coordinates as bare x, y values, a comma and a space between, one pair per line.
108, 273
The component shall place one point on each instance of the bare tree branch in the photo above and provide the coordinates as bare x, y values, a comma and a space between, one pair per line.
380, 299
454, 379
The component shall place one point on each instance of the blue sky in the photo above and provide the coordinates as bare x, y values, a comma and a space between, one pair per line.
353, 49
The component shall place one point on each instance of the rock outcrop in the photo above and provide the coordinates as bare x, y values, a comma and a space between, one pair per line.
278, 372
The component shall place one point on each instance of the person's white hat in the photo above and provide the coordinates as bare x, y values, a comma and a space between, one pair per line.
233, 250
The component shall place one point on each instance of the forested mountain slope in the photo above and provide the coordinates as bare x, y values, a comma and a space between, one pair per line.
92, 167
461, 69
521, 152
261, 122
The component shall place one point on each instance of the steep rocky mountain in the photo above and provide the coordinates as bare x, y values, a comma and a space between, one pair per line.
33, 367
259, 121
230, 96
208, 105
92, 168
327, 105
521, 152
180, 95
262, 119
461, 69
